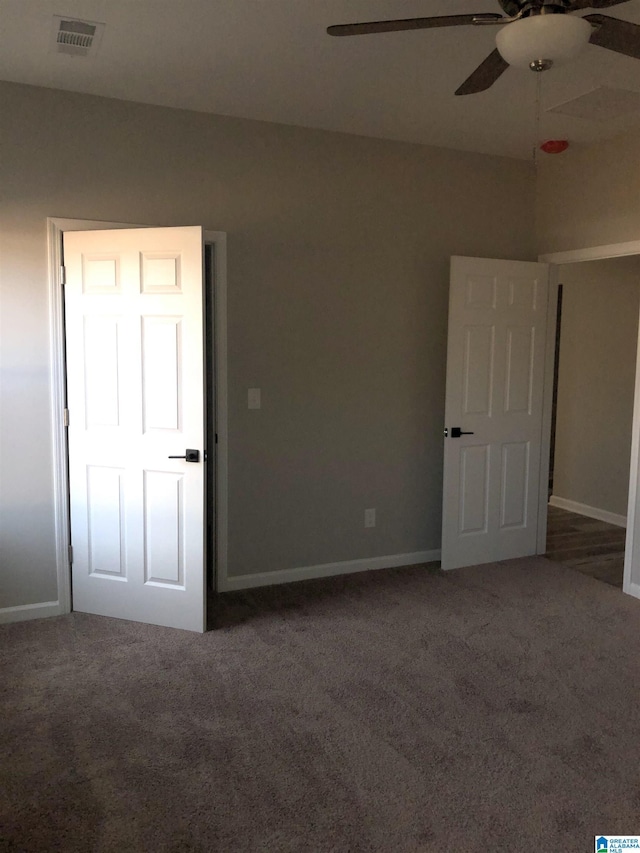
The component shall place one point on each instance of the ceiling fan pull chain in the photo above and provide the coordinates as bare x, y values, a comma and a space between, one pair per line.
536, 130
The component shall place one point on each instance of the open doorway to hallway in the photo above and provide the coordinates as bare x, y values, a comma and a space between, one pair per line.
593, 412
588, 545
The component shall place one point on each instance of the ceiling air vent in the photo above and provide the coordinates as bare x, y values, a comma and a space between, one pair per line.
76, 38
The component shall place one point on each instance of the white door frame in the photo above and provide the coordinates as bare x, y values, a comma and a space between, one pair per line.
631, 583
55, 231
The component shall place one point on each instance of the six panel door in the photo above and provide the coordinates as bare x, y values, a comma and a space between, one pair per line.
495, 377
134, 335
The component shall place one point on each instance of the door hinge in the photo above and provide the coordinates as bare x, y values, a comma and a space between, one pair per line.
216, 438
70, 553
65, 417
63, 275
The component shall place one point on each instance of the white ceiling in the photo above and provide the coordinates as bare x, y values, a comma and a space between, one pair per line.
272, 60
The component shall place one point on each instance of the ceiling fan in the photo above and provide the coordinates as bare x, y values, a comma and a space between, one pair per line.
538, 34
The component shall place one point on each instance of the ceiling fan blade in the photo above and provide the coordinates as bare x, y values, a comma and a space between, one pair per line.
485, 75
614, 34
410, 24
576, 5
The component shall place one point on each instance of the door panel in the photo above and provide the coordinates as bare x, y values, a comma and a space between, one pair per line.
106, 528
474, 482
161, 373
495, 374
478, 369
515, 484
521, 351
102, 362
134, 332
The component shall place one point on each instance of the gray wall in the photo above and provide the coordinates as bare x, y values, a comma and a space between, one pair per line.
590, 195
338, 276
598, 343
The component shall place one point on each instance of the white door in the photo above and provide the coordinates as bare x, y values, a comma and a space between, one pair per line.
495, 376
135, 390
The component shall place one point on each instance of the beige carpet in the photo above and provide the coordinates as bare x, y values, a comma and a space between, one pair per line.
489, 709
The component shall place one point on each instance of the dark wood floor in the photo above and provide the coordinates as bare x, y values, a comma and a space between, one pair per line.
592, 547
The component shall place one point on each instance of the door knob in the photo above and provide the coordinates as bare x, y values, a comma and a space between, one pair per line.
190, 456
456, 432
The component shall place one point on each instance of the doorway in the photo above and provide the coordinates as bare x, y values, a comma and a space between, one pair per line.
214, 263
595, 471
597, 334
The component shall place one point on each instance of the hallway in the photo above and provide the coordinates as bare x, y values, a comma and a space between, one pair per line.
592, 547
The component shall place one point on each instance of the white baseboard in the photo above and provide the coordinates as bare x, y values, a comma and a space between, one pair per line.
23, 612
391, 561
589, 511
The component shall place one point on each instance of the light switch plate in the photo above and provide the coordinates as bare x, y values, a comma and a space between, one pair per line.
253, 398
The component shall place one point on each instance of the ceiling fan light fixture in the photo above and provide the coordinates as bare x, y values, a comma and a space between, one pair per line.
540, 39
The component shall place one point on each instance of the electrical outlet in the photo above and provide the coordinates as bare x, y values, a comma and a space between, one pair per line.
253, 398
369, 518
